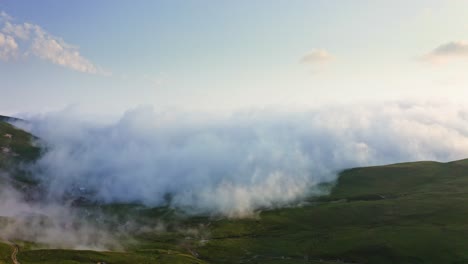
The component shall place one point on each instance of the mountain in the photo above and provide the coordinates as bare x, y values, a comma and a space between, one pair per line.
9, 118
400, 213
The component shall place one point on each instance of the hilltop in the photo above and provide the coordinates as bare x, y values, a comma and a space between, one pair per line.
400, 213
9, 118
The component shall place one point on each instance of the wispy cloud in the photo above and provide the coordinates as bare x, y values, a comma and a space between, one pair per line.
447, 51
32, 40
4, 16
317, 56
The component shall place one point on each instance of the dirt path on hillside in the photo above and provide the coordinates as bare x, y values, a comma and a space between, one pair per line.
14, 253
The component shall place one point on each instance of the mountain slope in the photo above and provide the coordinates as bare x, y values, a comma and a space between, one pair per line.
17, 147
401, 213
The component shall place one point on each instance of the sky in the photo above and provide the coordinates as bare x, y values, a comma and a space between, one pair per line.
109, 56
304, 88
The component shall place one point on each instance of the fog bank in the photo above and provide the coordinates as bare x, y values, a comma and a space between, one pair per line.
237, 164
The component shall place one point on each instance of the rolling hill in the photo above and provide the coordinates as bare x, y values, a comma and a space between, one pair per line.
400, 213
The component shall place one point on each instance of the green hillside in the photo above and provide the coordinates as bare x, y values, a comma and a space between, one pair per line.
17, 147
401, 213
20, 143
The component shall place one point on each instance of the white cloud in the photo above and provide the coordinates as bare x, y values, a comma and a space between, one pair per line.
448, 51
21, 31
34, 40
55, 50
8, 47
236, 165
317, 56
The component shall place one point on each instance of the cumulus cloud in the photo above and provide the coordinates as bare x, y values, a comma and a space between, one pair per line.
21, 31
8, 47
36, 41
237, 165
448, 51
317, 56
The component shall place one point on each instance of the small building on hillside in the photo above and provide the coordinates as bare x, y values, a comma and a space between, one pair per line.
8, 136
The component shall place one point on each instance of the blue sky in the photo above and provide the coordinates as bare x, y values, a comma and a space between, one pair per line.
108, 56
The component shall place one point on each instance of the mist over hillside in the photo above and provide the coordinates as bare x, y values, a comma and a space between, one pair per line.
233, 166
313, 132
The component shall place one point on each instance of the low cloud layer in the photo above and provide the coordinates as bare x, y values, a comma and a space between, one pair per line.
233, 166
448, 51
50, 224
26, 39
